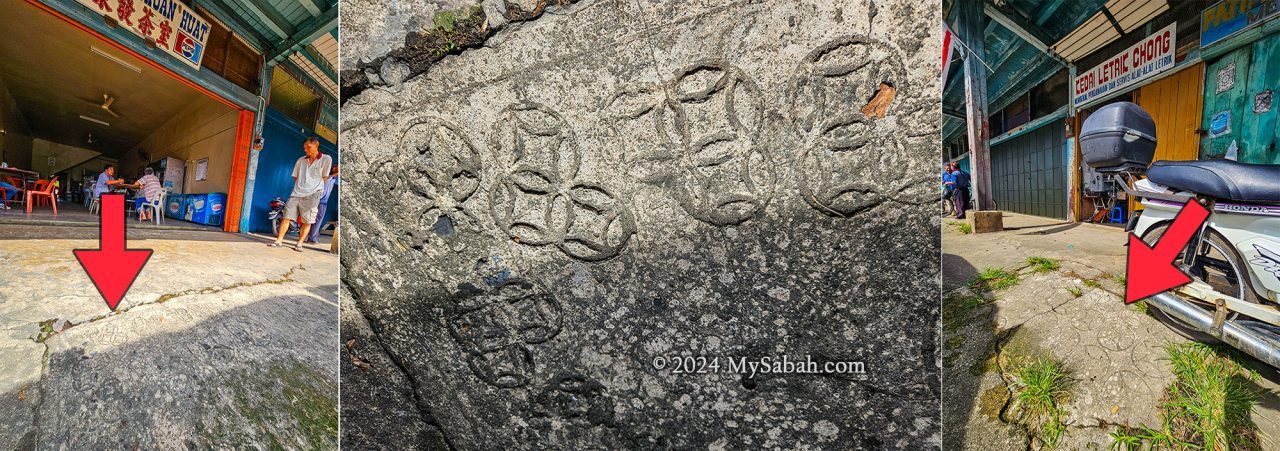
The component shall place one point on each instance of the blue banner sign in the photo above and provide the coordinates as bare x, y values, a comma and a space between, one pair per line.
1229, 17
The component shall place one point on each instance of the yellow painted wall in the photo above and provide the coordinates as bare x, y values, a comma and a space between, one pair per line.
1175, 103
64, 157
206, 129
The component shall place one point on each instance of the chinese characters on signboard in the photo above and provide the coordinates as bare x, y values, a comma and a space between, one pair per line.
171, 25
1148, 57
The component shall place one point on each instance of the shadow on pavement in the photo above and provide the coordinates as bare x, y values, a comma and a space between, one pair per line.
956, 271
257, 376
968, 337
1059, 229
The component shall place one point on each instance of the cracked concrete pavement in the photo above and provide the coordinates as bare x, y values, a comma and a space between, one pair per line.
222, 342
1114, 353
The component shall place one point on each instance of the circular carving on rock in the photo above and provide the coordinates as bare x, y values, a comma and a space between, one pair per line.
434, 172
849, 161
497, 329
540, 201
705, 123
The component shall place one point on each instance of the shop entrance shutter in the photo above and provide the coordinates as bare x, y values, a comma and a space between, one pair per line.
1028, 173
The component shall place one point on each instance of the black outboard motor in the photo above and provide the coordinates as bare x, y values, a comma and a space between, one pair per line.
1120, 137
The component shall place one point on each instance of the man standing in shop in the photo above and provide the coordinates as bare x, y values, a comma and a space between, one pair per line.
947, 181
324, 204
960, 189
309, 175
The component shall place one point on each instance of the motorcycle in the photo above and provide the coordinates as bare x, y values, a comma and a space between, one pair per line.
1233, 259
276, 214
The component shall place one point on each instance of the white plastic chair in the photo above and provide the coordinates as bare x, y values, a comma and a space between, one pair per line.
157, 207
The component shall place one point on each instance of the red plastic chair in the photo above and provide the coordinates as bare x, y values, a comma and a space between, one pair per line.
40, 185
47, 192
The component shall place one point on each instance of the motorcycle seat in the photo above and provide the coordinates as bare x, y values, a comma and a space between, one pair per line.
1222, 179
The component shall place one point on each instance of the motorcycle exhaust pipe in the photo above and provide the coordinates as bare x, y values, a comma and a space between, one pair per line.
1258, 342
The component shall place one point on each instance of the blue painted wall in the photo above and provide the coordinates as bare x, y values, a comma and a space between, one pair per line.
281, 148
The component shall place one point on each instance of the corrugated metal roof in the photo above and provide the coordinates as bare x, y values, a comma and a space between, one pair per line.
1016, 66
1099, 30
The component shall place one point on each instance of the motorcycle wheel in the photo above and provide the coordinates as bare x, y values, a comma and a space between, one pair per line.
275, 227
1218, 265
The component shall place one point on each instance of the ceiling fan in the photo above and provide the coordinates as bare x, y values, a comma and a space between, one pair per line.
106, 104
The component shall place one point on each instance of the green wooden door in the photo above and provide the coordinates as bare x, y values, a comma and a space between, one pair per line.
1258, 134
1028, 173
1225, 84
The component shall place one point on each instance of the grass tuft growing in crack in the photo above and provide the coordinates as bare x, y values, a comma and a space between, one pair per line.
1043, 265
1206, 407
1042, 387
992, 279
1075, 291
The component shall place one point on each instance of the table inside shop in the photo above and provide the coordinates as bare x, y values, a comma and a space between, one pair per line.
25, 177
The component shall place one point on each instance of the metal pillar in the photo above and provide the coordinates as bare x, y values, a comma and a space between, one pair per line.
969, 28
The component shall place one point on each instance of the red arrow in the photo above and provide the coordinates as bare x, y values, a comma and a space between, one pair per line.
1151, 269
111, 267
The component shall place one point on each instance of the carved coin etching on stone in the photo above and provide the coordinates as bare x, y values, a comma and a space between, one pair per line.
849, 161
707, 122
540, 201
444, 172
496, 329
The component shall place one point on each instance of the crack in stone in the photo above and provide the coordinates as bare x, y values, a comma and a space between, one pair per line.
427, 417
998, 345
284, 278
355, 81
35, 409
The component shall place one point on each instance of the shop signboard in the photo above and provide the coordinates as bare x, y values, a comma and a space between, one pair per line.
169, 24
1229, 17
1148, 57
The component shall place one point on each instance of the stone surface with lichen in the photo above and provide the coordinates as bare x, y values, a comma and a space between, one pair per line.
546, 212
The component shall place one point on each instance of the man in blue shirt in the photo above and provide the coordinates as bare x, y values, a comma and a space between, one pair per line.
947, 179
960, 188
106, 181
324, 204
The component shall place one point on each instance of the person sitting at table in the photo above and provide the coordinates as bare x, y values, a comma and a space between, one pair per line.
150, 186
107, 181
10, 192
